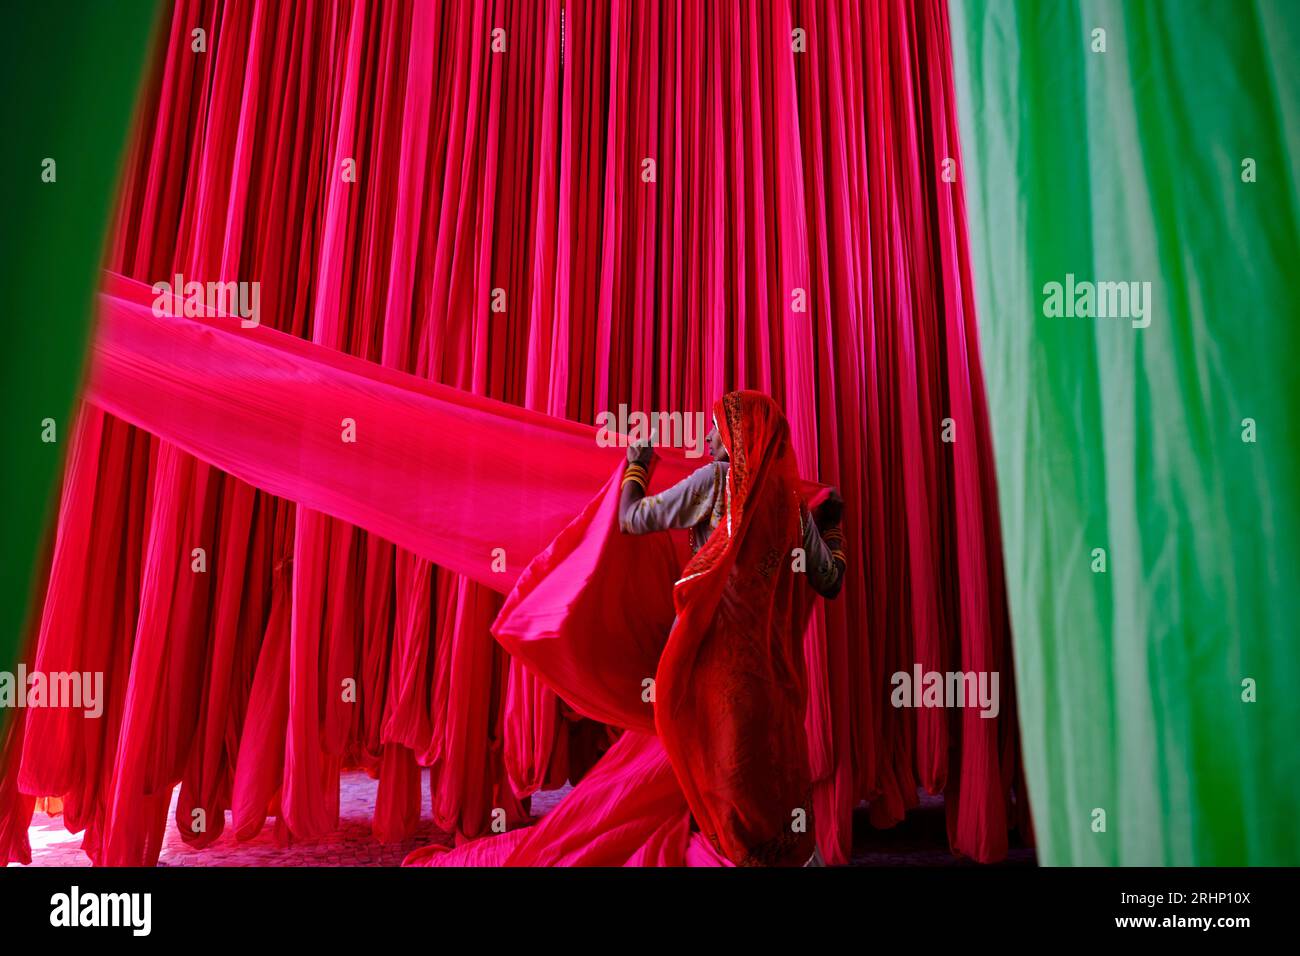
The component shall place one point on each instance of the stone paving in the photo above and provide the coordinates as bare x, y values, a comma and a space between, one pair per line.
921, 840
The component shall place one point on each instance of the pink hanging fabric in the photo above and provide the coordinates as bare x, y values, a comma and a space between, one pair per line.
646, 204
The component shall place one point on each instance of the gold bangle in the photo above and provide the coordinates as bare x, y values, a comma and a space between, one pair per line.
633, 479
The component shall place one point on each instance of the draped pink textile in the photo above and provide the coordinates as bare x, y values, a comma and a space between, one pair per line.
590, 583
505, 239
629, 811
431, 468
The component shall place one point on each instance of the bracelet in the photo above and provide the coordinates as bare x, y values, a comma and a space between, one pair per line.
635, 474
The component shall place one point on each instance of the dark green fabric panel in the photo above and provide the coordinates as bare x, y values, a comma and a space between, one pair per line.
1125, 165
70, 73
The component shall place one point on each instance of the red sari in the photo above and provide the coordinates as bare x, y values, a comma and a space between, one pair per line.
719, 734
731, 685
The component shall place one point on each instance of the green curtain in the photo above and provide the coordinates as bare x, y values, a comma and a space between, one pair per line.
1131, 162
69, 72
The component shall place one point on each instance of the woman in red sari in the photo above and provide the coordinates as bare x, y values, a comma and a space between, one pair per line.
728, 756
731, 690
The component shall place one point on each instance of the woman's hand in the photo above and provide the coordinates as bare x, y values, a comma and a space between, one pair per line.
639, 452
830, 512
634, 482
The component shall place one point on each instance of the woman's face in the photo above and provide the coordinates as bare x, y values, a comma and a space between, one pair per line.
716, 448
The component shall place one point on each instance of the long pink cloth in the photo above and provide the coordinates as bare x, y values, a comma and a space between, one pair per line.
476, 486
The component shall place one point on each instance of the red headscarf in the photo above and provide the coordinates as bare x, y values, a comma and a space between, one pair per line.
730, 688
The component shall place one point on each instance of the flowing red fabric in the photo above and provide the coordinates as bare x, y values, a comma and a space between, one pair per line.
731, 686
628, 811
730, 693
642, 203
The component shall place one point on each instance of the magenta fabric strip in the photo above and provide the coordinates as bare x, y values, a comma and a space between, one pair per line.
438, 471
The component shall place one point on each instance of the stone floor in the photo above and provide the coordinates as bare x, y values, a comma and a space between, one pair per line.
921, 840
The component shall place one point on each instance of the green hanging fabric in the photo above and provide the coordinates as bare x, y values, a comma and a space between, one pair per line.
70, 72
1148, 454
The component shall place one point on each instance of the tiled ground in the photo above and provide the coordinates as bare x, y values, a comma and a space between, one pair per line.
920, 841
